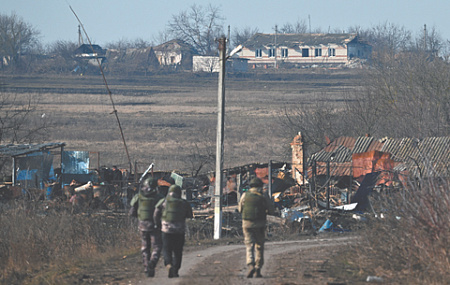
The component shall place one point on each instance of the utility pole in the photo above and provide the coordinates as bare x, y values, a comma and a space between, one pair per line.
425, 37
80, 36
309, 21
219, 140
276, 32
228, 38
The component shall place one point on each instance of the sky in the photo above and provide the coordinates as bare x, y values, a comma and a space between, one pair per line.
108, 21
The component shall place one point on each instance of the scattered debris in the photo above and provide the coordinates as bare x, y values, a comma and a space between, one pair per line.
374, 279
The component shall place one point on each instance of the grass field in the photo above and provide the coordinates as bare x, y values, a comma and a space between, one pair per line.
169, 118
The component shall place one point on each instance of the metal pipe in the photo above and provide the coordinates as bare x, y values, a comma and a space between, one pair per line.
270, 179
14, 171
328, 185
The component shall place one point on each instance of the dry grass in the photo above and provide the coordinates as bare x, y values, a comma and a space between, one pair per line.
163, 117
34, 237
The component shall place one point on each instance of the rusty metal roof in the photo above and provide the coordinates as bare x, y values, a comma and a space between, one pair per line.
13, 150
428, 156
295, 40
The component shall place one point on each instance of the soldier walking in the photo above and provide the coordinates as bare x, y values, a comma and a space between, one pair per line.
172, 213
143, 207
254, 206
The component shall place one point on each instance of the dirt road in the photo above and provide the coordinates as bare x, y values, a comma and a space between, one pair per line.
288, 262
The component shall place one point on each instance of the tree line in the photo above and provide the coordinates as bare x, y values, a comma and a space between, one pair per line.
199, 26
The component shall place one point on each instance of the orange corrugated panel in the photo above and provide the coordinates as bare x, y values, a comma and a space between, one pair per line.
384, 165
366, 162
373, 161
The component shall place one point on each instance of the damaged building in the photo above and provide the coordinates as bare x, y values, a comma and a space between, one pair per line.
176, 54
31, 165
341, 167
88, 55
131, 60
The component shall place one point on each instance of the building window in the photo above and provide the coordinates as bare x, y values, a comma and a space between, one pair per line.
331, 52
284, 52
272, 52
318, 52
258, 52
305, 52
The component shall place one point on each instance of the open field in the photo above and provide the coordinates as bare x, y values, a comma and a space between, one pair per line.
168, 118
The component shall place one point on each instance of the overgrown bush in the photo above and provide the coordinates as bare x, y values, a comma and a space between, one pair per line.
34, 237
410, 239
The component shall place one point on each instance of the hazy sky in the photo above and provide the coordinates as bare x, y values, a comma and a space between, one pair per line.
111, 20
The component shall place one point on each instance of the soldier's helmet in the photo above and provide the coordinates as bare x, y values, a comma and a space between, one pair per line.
149, 184
176, 190
256, 182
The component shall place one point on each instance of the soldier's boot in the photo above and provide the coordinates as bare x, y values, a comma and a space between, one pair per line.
258, 273
151, 269
170, 270
145, 268
251, 271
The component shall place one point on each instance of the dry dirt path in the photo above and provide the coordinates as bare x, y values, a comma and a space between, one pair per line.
287, 262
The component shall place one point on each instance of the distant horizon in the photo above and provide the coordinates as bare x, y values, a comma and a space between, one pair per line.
110, 21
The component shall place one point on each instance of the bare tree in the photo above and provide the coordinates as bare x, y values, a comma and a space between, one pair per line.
405, 96
19, 120
413, 91
316, 119
387, 39
62, 48
56, 57
199, 27
240, 36
429, 41
200, 160
162, 37
124, 44
299, 27
202, 156
16, 37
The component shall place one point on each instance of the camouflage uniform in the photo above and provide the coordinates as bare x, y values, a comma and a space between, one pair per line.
172, 214
143, 206
254, 206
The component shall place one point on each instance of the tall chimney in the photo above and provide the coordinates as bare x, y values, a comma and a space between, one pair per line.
298, 159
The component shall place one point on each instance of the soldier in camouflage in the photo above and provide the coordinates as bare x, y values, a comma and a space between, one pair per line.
254, 206
143, 207
172, 213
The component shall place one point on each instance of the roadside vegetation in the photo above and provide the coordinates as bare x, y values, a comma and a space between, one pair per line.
409, 239
39, 243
